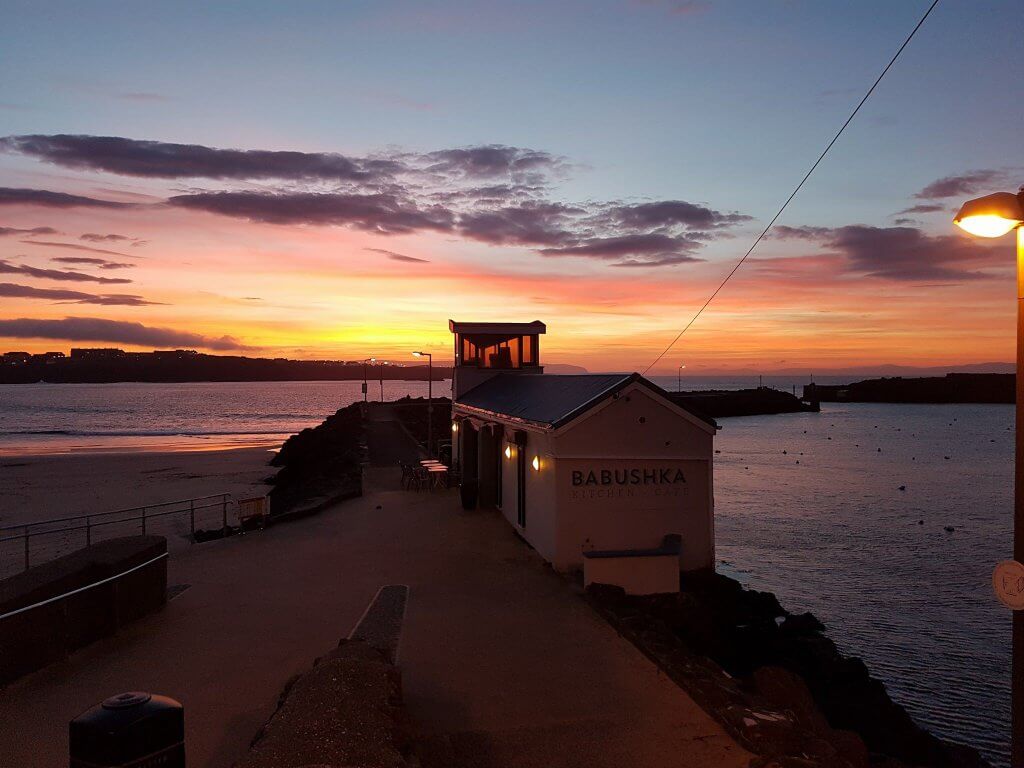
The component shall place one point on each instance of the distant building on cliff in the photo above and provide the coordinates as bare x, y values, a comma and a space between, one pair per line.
96, 353
602, 472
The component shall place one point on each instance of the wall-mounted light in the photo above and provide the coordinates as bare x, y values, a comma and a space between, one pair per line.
536, 463
508, 451
455, 426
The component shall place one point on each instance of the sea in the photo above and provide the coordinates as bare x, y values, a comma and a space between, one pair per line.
885, 521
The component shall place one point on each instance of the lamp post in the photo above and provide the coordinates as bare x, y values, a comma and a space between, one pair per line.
994, 216
430, 399
365, 361
679, 378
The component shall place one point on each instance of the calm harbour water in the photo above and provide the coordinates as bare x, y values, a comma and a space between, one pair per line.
807, 507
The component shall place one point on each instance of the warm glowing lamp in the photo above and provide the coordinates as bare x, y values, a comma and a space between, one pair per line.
536, 463
455, 426
993, 216
508, 451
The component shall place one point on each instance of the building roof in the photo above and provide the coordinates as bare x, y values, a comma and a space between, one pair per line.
551, 400
511, 329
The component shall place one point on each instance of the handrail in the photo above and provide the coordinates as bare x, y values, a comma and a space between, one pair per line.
109, 522
22, 526
34, 530
82, 589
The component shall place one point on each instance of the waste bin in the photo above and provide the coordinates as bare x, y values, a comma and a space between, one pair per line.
131, 730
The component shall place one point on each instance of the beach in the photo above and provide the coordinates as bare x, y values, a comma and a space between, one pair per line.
40, 487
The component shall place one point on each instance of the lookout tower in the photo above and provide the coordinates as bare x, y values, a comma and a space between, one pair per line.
483, 350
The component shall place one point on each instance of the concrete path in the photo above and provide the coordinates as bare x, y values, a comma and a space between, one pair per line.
503, 663
388, 443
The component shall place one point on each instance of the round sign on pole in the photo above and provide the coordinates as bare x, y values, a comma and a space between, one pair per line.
1008, 583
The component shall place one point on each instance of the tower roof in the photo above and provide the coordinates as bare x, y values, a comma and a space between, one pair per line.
509, 329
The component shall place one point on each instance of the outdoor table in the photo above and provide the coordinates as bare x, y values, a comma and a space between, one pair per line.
438, 474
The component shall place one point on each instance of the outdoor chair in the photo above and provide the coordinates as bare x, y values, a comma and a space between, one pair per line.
407, 474
420, 479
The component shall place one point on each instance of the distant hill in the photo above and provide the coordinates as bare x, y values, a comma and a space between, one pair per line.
863, 371
564, 369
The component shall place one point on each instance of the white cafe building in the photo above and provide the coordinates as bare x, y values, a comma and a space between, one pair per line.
599, 472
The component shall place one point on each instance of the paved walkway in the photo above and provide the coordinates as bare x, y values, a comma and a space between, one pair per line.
388, 442
503, 663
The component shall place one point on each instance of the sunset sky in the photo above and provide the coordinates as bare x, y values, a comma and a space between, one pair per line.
336, 180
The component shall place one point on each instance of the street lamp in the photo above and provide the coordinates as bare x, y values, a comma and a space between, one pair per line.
365, 361
679, 378
430, 398
994, 216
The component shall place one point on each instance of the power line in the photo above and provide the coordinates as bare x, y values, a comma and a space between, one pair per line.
798, 187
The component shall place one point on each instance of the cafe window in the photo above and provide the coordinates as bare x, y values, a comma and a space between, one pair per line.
499, 352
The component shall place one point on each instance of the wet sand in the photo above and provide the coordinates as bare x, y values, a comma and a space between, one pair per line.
34, 488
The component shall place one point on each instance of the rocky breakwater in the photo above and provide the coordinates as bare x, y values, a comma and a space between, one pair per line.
722, 403
774, 679
321, 465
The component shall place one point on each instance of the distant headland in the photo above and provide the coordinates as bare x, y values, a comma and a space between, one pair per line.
951, 388
103, 365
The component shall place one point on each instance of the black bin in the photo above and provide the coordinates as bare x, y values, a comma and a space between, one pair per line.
131, 730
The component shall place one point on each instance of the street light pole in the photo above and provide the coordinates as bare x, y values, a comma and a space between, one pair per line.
430, 399
993, 216
365, 361
679, 378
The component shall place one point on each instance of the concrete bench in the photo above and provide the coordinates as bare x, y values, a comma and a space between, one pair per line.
638, 571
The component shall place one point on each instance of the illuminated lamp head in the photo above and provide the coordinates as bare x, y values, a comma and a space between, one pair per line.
992, 215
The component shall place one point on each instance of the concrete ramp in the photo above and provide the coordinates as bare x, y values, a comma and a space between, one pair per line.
381, 625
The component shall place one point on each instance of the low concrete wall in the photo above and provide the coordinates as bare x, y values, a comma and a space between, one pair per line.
346, 711
37, 637
638, 571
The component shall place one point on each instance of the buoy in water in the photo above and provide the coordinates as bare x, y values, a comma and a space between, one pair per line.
949, 529
903, 487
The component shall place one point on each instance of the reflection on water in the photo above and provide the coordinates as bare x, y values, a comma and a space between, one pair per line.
809, 506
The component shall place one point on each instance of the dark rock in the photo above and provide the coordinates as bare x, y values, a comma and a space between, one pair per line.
320, 464
838, 715
801, 624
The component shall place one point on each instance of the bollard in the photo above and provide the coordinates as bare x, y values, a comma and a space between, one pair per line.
143, 521
88, 531
132, 729
224, 512
26, 547
192, 518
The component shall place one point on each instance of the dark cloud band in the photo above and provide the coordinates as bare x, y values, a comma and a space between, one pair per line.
113, 331
13, 290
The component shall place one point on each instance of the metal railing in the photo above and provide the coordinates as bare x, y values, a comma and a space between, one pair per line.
58, 536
